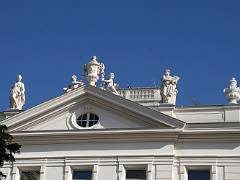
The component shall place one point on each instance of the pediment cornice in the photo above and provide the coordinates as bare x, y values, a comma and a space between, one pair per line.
91, 94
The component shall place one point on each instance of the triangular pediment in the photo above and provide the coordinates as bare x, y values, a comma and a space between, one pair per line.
114, 112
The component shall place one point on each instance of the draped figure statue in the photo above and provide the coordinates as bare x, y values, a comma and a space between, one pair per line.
169, 88
17, 94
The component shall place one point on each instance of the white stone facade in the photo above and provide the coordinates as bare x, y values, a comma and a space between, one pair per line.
163, 140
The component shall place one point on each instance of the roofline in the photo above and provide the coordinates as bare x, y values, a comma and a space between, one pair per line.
210, 106
134, 107
133, 88
150, 112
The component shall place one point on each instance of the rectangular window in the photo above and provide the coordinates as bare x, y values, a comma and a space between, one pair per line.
198, 174
82, 175
30, 175
136, 175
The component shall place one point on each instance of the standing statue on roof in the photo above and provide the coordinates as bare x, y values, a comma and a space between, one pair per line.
169, 88
17, 94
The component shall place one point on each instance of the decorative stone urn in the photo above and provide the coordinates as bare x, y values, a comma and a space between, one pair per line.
233, 92
92, 71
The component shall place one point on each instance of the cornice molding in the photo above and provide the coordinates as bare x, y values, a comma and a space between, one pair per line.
179, 109
128, 135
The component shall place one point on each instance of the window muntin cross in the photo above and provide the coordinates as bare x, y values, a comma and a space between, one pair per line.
87, 120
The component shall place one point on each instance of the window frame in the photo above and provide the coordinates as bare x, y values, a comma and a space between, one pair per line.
199, 168
74, 118
141, 167
87, 120
82, 168
28, 169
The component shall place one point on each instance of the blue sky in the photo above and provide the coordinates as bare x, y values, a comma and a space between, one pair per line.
48, 41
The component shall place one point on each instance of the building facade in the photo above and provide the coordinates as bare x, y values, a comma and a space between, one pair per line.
93, 133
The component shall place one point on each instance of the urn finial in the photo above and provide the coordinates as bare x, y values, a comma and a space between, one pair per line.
92, 71
232, 93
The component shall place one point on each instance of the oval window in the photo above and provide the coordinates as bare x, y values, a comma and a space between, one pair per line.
87, 120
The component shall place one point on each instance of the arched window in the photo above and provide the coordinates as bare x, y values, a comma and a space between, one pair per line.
87, 120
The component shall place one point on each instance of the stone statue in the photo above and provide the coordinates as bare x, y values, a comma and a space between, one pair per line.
169, 88
17, 94
75, 84
110, 85
92, 71
232, 93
